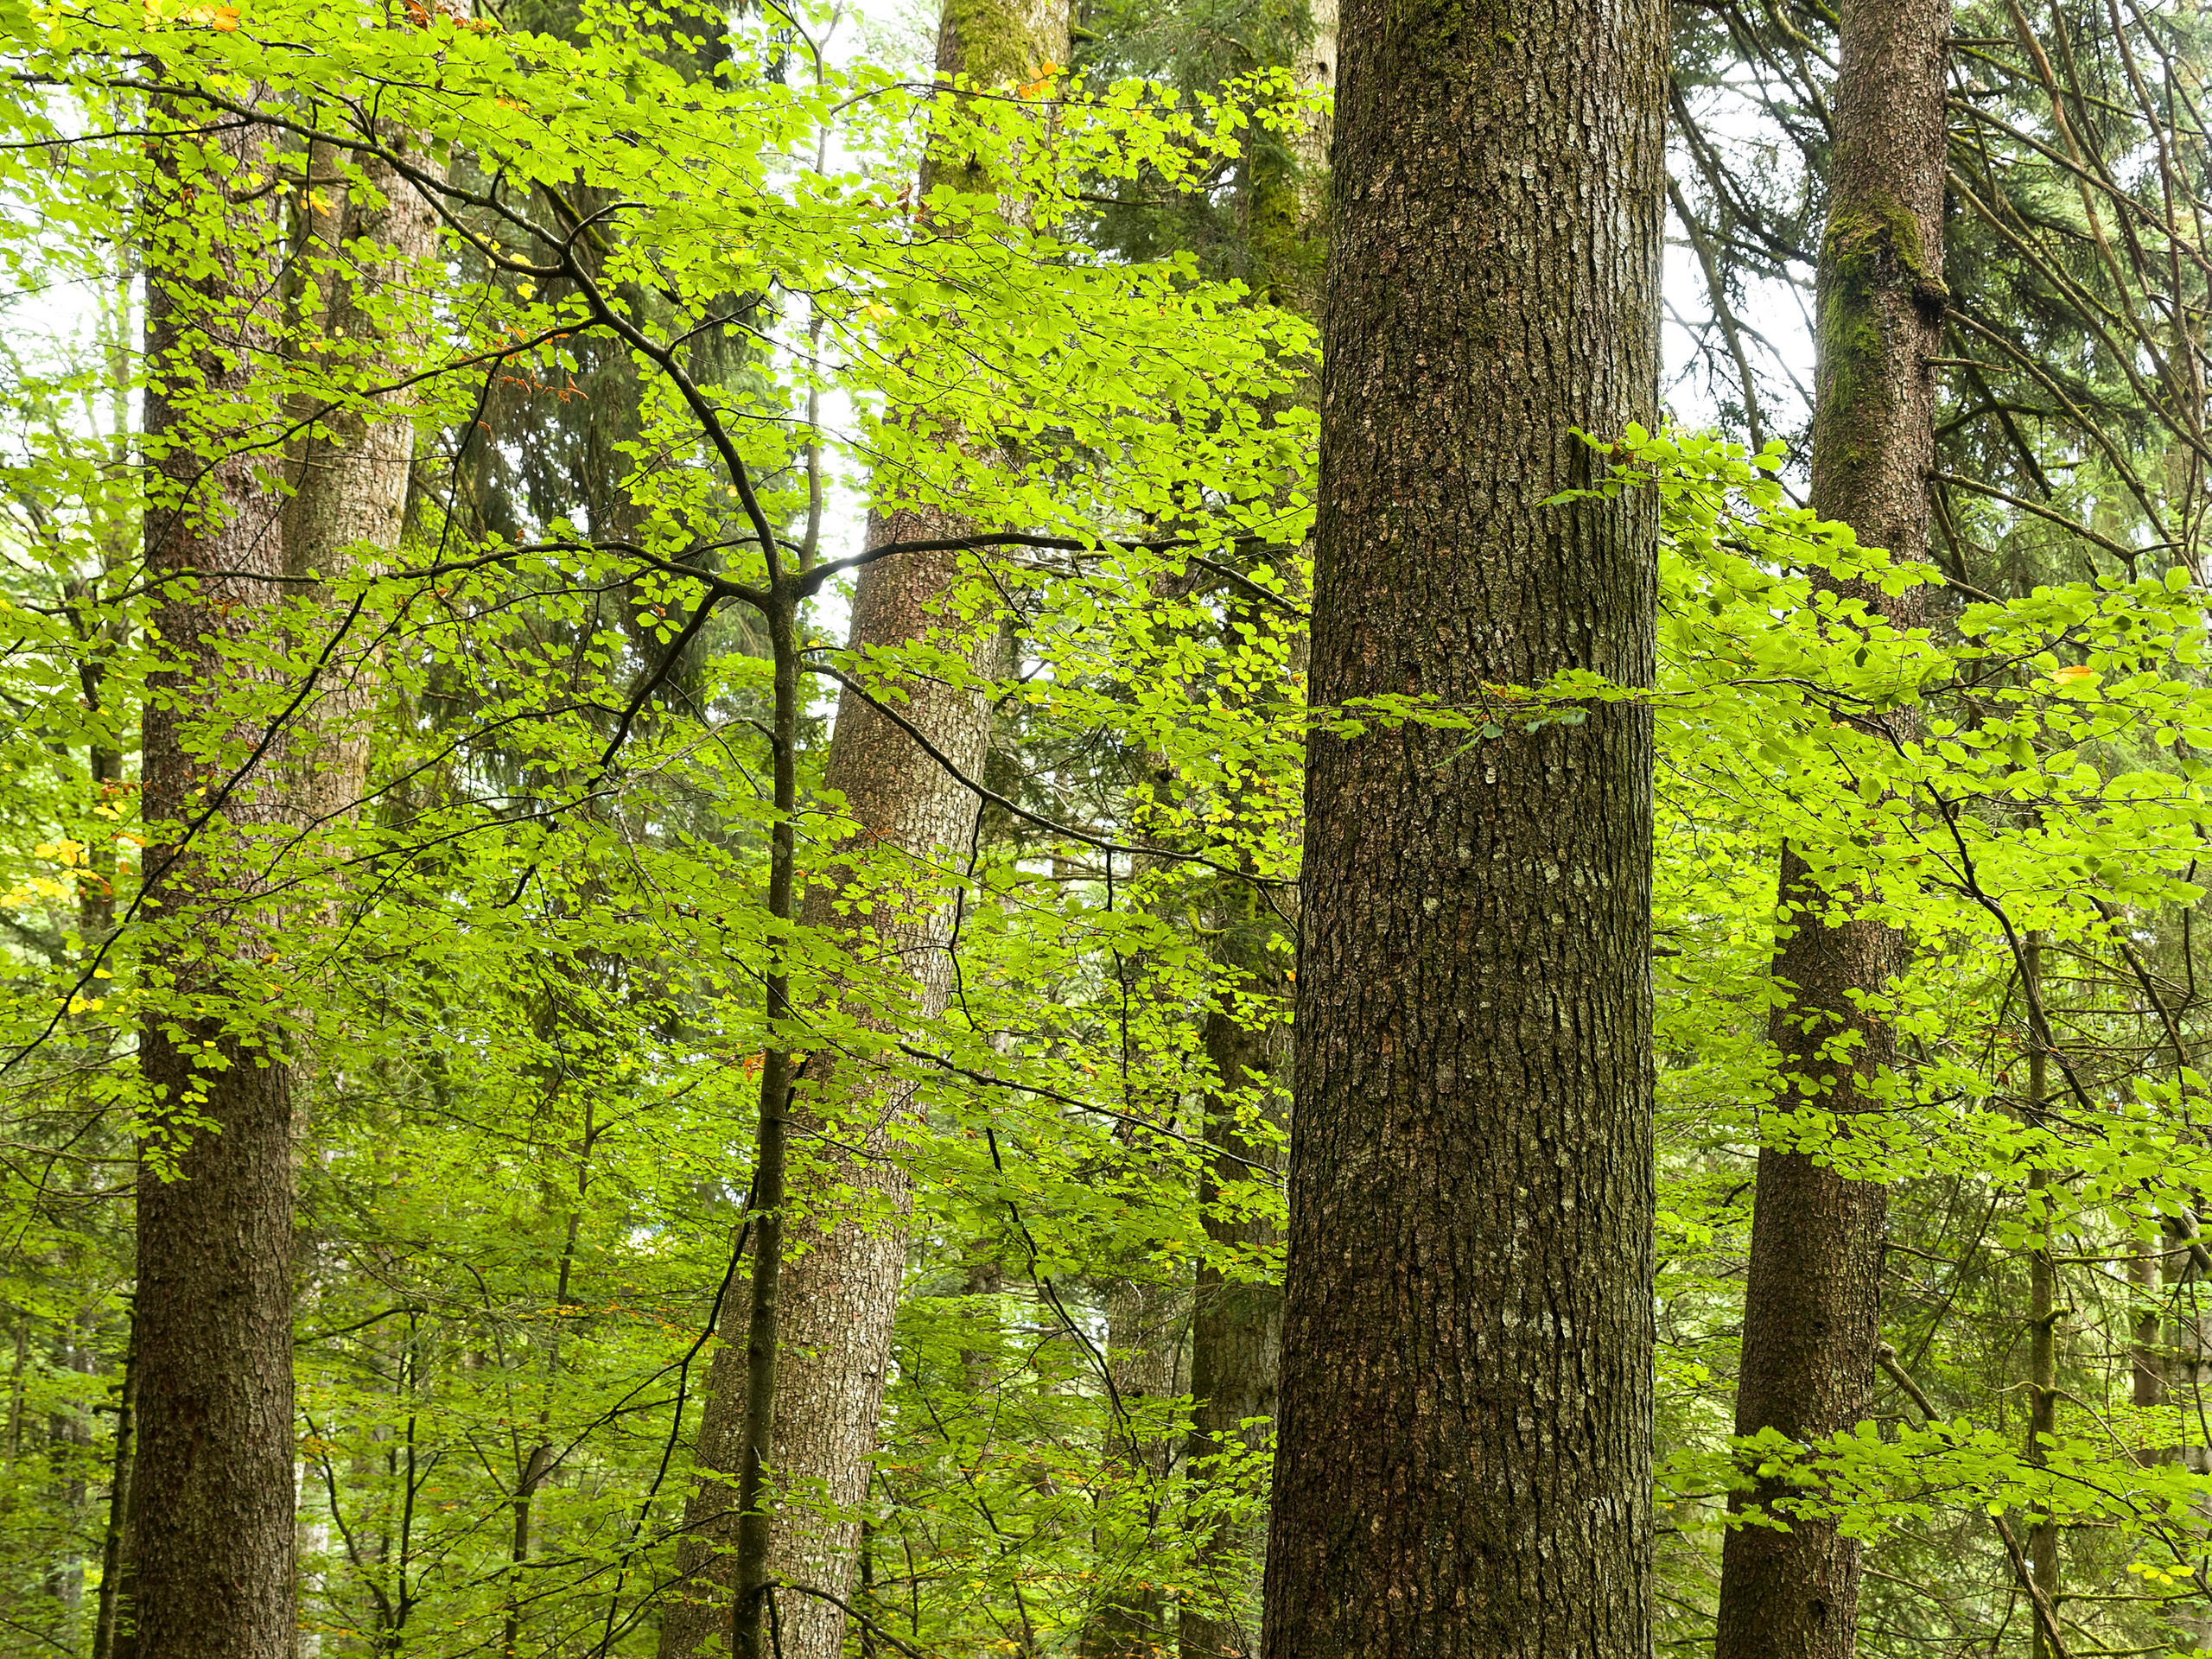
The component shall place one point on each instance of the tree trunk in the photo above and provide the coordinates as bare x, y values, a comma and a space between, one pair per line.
839, 1290
350, 476
1236, 1325
1143, 1343
211, 1498
839, 1287
2042, 1306
1465, 1454
1811, 1293
2146, 1352
2188, 1368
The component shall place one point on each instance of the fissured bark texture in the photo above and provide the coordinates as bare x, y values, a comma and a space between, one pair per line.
211, 1518
1812, 1300
1465, 1454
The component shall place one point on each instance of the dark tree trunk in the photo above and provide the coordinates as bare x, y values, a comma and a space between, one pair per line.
108, 1640
2043, 1312
1236, 1323
1812, 1299
210, 1496
1465, 1453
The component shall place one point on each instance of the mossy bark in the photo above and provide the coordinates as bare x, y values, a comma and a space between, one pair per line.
1813, 1286
1463, 1459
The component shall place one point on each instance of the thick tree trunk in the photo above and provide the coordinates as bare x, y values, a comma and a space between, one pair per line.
211, 1493
1465, 1453
1813, 1290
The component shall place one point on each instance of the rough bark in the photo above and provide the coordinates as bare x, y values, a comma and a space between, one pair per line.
1465, 1443
839, 1288
350, 474
1813, 1288
841, 1283
211, 1497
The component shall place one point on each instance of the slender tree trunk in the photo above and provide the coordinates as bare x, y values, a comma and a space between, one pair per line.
1236, 1320
1237, 1325
1143, 1343
67, 1438
1465, 1453
211, 1499
2146, 1354
2188, 1364
350, 474
1812, 1296
2043, 1308
838, 1297
115, 1560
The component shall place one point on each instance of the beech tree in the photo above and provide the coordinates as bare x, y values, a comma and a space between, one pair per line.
778, 1024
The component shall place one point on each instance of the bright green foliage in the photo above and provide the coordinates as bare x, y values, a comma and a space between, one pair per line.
524, 979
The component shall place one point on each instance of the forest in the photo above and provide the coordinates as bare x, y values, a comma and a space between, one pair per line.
1229, 829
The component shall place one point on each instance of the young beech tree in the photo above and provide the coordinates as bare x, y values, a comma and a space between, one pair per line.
903, 775
1812, 1300
1464, 1462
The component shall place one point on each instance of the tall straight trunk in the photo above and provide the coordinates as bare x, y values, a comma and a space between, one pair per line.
2145, 1353
1812, 1297
115, 1558
2188, 1368
1143, 1347
2042, 1306
1236, 1323
211, 1500
838, 1296
1463, 1459
1236, 1320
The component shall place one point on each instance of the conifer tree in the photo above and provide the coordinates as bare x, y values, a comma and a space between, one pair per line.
1465, 1438
1812, 1299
